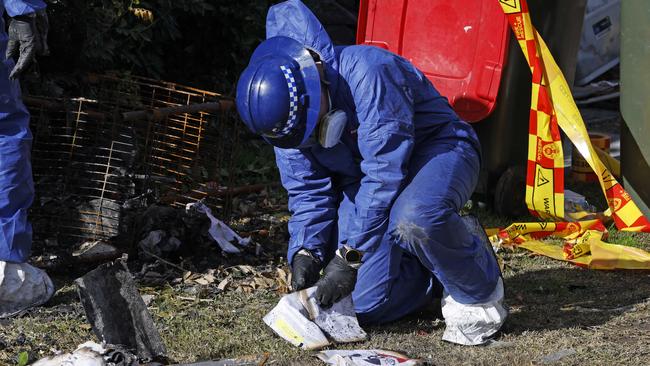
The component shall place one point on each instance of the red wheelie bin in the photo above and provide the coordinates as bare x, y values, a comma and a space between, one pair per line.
468, 52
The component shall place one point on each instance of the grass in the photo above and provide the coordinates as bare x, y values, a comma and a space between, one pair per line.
630, 239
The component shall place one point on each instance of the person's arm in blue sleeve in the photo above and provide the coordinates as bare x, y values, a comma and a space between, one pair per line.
23, 7
312, 202
386, 138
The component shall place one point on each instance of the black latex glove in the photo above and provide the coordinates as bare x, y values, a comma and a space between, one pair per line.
337, 283
305, 271
22, 41
27, 38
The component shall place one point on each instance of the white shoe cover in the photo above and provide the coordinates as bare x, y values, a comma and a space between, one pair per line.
473, 324
22, 286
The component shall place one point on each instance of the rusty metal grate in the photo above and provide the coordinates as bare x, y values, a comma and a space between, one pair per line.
92, 156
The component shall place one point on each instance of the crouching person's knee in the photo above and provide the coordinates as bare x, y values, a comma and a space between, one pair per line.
414, 225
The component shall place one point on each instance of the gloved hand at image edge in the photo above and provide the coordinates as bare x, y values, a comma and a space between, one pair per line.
27, 38
305, 270
339, 279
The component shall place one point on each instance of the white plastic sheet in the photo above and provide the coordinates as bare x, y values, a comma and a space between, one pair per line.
300, 320
87, 354
220, 232
22, 286
375, 357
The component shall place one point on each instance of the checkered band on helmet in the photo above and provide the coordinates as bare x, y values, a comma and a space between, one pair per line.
285, 128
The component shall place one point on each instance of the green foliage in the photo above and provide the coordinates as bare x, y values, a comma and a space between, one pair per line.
256, 163
23, 358
204, 40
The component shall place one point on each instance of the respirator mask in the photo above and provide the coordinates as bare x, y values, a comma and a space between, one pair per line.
330, 128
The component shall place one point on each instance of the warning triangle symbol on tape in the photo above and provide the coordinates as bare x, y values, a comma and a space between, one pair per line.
514, 6
541, 180
607, 177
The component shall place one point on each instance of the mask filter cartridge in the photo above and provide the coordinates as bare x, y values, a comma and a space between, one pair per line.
331, 128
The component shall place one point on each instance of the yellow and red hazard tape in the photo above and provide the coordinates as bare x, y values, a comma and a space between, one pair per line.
552, 108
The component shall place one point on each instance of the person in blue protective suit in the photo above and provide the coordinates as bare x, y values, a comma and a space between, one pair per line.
377, 166
21, 285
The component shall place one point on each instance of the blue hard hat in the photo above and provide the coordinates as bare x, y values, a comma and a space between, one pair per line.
278, 94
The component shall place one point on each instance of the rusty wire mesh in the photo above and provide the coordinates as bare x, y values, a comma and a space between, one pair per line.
89, 165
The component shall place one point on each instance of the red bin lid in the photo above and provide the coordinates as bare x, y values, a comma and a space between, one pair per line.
461, 46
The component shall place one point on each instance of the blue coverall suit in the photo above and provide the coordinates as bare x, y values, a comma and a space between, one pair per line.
16, 184
393, 186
